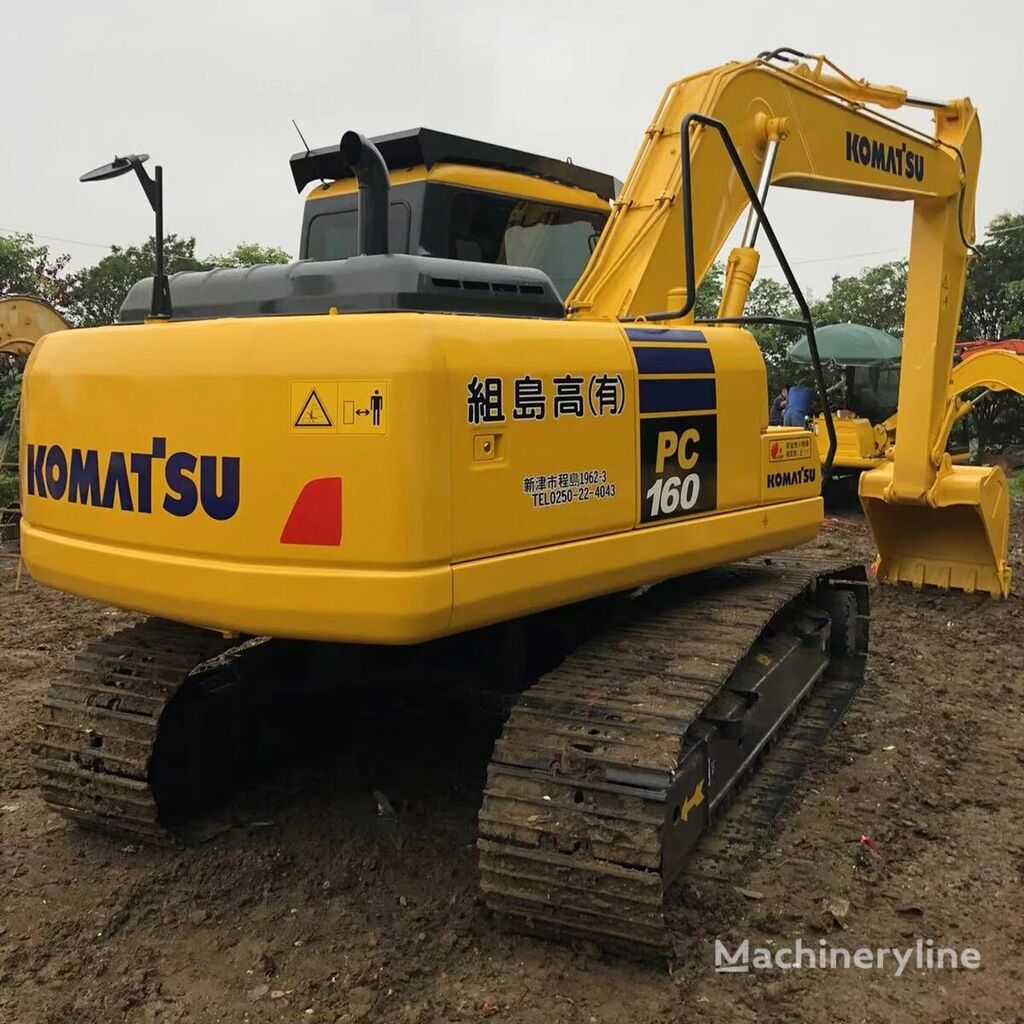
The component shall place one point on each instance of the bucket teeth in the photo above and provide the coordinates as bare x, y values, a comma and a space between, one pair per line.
957, 539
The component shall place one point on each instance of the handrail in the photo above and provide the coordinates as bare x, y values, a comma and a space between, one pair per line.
691, 286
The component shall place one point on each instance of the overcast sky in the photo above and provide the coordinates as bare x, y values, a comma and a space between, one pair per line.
209, 88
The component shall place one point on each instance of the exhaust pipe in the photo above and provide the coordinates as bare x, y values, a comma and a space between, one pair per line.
374, 186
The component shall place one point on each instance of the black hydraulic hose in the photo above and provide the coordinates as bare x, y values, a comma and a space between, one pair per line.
374, 187
691, 285
786, 53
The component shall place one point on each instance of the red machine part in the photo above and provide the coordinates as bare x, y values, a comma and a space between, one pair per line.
965, 349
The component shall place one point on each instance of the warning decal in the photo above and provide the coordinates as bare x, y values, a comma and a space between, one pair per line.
313, 413
339, 407
789, 448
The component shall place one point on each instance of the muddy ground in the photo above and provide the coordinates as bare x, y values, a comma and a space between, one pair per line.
312, 908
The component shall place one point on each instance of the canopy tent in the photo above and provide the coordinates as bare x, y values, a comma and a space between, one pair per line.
849, 345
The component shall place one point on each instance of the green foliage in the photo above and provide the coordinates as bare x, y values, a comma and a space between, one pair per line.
876, 297
29, 269
99, 290
10, 397
8, 490
1014, 292
997, 421
709, 292
20, 260
1017, 484
769, 297
249, 254
994, 296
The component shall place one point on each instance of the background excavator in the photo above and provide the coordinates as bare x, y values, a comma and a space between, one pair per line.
398, 461
23, 321
865, 412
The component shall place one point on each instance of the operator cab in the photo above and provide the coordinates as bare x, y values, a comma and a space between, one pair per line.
418, 221
461, 199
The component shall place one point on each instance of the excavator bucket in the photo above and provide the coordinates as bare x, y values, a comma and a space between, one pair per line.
958, 540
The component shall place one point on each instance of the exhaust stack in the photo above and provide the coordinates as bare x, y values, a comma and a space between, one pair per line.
374, 187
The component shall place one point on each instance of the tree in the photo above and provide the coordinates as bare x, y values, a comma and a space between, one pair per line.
1014, 326
876, 297
28, 269
25, 269
249, 254
994, 308
709, 292
769, 297
98, 291
994, 296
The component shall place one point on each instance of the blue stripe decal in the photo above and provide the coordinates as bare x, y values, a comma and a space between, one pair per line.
673, 360
663, 334
676, 395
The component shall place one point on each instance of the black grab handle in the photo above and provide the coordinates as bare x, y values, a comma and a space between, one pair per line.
691, 286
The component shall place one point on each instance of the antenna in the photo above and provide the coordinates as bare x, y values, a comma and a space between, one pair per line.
309, 152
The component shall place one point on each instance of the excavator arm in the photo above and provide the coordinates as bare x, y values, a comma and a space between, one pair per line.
815, 136
808, 125
991, 370
994, 369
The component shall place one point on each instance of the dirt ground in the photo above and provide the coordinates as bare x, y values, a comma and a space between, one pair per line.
312, 908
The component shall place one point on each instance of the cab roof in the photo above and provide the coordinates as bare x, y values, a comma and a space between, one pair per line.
426, 147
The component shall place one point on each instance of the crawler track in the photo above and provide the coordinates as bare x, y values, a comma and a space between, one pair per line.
98, 730
612, 767
610, 771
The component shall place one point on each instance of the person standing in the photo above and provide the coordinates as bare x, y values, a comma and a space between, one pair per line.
778, 407
799, 406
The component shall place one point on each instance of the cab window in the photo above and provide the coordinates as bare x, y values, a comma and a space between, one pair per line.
335, 236
499, 229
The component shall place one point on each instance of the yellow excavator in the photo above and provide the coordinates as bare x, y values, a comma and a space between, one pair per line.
965, 546
402, 451
24, 319
866, 434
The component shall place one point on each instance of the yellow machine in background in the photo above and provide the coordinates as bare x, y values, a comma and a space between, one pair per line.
863, 444
862, 398
398, 446
860, 444
24, 319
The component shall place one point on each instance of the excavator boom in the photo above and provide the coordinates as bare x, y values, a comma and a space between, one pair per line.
800, 126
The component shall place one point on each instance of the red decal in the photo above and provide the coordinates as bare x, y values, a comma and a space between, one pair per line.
315, 517
776, 449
